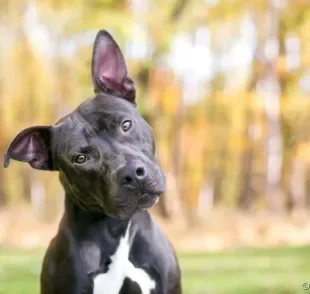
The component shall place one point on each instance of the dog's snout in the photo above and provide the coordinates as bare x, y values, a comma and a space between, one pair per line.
133, 173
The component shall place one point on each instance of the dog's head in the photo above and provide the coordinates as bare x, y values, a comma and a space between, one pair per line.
104, 150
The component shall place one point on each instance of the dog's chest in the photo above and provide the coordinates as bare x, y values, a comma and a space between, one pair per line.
122, 276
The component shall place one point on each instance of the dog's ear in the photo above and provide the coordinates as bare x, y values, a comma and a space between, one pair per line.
109, 71
32, 145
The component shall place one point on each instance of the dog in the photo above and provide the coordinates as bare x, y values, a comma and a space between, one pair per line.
104, 152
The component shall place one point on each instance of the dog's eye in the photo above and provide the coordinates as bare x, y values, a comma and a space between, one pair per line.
80, 159
126, 125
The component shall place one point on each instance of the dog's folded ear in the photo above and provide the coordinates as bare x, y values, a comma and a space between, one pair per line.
31, 145
109, 71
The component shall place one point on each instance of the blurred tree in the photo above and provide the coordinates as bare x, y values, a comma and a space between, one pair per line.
243, 143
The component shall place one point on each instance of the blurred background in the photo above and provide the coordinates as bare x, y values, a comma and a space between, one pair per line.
225, 84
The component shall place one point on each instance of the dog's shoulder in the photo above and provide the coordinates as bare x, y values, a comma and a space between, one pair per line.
147, 228
62, 264
151, 245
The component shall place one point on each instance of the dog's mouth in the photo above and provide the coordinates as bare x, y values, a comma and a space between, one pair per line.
148, 200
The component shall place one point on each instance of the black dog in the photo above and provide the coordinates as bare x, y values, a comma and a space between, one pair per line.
104, 151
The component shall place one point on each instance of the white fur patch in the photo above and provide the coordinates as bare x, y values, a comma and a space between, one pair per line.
111, 282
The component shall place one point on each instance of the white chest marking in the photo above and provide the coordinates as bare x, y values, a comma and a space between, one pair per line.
111, 282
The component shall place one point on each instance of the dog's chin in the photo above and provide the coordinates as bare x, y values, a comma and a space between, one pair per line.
147, 201
120, 215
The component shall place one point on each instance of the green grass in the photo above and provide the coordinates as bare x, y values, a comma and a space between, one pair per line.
244, 271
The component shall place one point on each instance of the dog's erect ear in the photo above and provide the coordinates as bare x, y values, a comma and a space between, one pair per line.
31, 145
109, 71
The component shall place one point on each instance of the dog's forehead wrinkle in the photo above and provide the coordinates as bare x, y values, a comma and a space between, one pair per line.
101, 123
84, 124
107, 116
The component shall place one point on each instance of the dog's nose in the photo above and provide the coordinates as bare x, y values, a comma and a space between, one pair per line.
133, 173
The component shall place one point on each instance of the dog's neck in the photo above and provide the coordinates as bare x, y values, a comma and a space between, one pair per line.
94, 237
85, 224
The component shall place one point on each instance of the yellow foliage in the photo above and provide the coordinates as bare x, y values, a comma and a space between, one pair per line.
303, 152
170, 97
214, 139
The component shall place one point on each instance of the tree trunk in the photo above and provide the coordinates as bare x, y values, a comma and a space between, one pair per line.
177, 147
307, 187
270, 87
245, 199
297, 186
